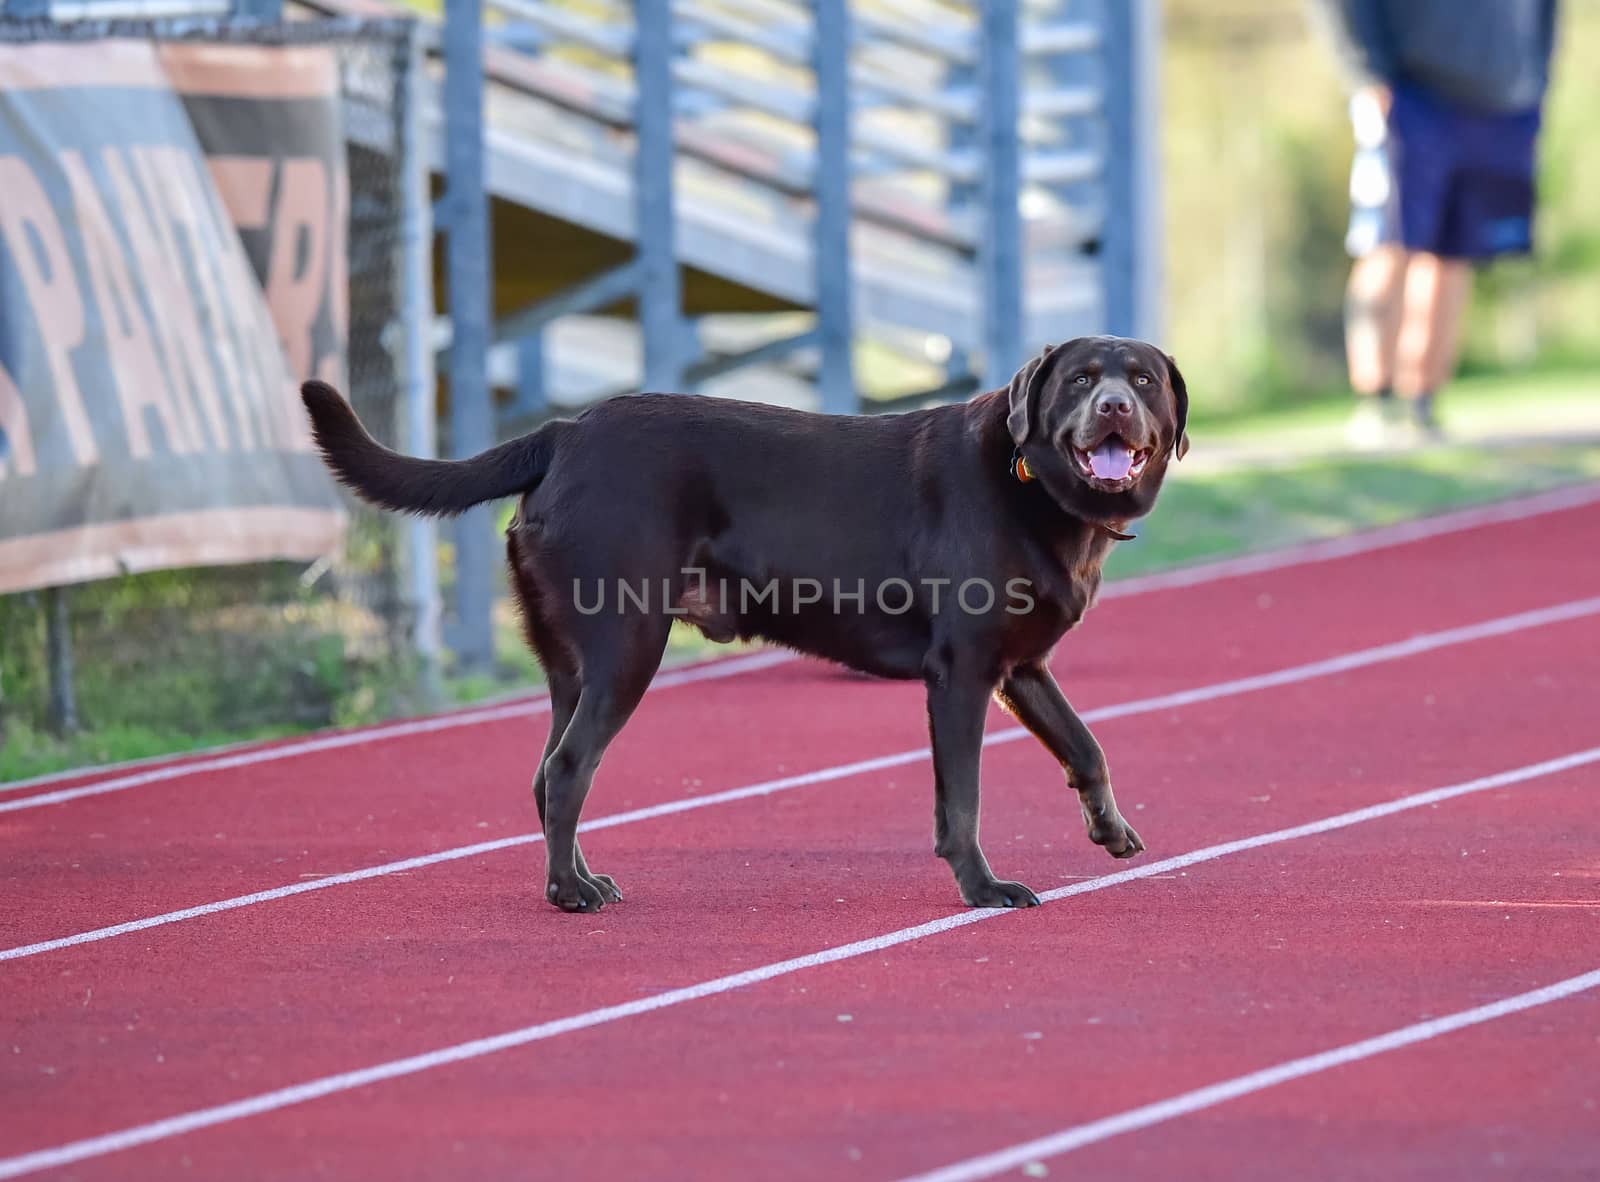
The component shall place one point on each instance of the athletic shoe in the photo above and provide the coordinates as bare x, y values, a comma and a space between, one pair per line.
1372, 424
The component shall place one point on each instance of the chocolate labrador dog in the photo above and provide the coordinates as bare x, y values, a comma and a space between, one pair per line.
954, 545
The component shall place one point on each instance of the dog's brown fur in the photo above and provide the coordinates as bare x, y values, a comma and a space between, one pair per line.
651, 488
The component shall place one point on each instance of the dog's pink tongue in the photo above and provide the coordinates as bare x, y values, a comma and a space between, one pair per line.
1111, 461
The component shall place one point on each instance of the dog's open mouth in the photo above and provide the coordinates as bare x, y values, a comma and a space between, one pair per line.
1112, 461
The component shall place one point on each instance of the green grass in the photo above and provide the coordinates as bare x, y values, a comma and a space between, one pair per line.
1302, 493
29, 753
1552, 402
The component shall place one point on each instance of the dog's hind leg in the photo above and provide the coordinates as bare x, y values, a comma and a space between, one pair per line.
560, 668
564, 690
617, 663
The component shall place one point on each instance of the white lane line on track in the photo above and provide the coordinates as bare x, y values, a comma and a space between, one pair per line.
1308, 553
1345, 663
188, 1122
1076, 1137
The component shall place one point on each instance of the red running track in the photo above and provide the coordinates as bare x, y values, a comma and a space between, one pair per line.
957, 1044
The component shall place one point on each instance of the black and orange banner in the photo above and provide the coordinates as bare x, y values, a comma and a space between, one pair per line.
172, 261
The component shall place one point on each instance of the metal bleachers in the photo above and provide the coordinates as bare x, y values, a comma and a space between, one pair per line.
963, 239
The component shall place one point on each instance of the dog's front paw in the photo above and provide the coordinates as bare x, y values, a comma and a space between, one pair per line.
995, 893
1113, 832
607, 886
578, 894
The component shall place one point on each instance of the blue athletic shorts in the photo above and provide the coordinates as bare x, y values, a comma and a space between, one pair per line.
1438, 178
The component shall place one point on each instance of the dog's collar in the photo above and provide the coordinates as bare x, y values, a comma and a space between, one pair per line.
1024, 475
1019, 467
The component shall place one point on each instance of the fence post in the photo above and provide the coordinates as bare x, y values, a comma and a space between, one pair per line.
1129, 255
660, 288
1000, 253
418, 425
831, 239
63, 707
471, 412
961, 196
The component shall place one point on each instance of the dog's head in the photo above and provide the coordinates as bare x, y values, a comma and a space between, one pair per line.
1097, 420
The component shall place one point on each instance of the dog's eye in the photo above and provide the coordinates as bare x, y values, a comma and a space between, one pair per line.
1142, 379
1082, 379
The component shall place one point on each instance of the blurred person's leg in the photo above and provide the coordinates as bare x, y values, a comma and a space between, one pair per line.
1372, 318
1436, 290
1377, 276
1372, 313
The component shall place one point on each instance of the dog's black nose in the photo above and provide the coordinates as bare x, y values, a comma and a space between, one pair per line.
1114, 404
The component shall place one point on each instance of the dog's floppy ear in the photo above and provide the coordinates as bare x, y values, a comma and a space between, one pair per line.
1180, 439
1021, 396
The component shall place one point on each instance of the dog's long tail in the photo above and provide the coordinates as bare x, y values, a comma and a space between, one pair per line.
430, 487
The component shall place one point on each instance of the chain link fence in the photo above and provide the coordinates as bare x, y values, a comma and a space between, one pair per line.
149, 662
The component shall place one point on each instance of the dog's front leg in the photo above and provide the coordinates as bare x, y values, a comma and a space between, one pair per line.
1034, 697
956, 710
